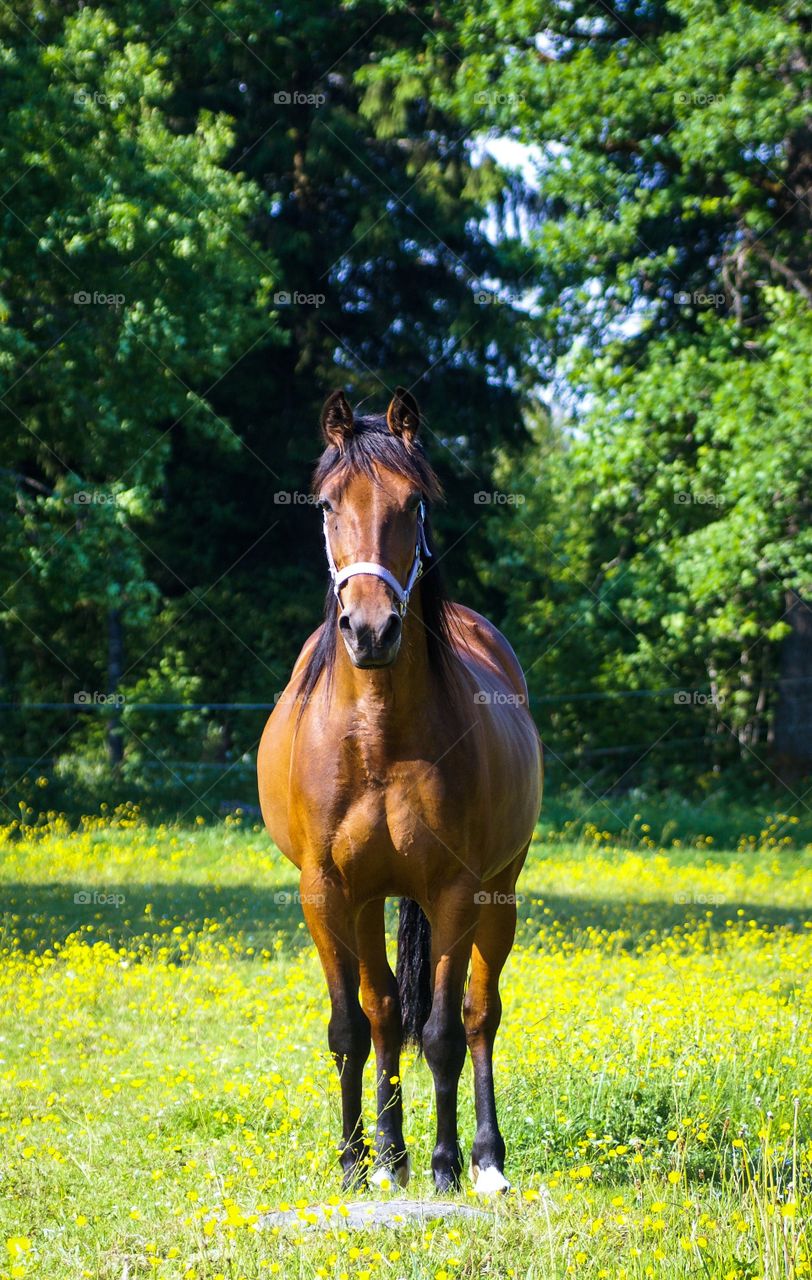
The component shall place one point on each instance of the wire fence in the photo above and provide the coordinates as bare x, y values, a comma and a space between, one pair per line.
201, 756
120, 712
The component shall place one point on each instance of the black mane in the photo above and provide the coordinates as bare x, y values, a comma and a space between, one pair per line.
373, 444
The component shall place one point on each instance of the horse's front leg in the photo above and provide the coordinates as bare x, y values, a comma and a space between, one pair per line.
453, 918
330, 919
381, 1003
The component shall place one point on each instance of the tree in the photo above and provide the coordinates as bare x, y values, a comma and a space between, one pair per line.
671, 228
128, 285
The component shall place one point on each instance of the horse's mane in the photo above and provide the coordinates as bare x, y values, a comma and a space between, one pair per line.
372, 445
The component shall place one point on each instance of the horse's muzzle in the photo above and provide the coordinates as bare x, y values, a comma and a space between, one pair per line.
369, 645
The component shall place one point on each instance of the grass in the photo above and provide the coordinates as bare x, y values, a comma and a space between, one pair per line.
164, 1075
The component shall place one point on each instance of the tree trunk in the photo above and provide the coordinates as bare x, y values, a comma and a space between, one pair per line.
793, 714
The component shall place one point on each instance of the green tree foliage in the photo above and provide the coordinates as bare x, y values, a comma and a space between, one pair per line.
666, 531
128, 285
375, 206
276, 226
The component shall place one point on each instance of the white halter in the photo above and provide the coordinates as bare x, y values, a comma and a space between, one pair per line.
340, 576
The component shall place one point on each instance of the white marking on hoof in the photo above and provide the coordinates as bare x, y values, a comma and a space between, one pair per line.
385, 1177
490, 1182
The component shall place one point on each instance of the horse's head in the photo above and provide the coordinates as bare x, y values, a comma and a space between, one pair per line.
373, 483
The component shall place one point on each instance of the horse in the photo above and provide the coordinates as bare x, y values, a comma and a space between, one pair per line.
402, 761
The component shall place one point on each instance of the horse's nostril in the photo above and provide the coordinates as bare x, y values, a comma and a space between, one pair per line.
344, 622
391, 631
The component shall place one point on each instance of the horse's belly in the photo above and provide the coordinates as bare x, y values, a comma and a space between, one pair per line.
273, 764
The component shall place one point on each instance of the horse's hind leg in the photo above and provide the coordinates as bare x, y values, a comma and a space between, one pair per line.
330, 921
381, 1004
482, 1012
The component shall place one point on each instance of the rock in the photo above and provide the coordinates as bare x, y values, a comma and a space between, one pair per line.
370, 1213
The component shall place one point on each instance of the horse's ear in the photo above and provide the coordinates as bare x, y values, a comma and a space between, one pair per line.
403, 415
336, 420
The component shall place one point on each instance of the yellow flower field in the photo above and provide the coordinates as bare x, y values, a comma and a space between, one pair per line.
164, 1078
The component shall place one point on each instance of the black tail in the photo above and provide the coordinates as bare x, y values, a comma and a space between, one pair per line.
414, 970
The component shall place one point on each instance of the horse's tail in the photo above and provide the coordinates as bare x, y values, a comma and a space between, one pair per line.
414, 971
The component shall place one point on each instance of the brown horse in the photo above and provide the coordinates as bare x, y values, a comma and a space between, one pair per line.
402, 760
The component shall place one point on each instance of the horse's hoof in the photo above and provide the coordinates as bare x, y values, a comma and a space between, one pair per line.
446, 1180
490, 1181
386, 1176
355, 1178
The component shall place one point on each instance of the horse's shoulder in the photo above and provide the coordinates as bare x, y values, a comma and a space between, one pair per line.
485, 642
305, 654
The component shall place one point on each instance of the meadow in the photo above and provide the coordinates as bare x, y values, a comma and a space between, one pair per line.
164, 1079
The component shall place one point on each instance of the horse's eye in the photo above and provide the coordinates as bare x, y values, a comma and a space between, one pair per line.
413, 503
324, 505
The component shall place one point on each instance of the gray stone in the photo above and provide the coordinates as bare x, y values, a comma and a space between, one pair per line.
371, 1213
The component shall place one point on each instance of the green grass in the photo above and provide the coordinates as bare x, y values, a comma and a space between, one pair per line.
164, 1073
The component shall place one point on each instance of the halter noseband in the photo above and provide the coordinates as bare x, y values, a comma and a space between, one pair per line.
340, 576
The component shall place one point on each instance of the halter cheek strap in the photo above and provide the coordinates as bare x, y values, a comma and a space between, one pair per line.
401, 593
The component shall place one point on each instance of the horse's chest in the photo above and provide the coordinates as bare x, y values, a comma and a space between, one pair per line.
386, 830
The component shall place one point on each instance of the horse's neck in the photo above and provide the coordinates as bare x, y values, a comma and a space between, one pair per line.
396, 695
